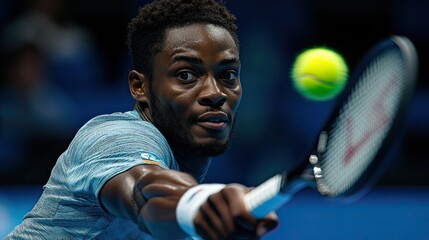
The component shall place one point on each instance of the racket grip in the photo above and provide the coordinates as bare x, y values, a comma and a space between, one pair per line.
266, 197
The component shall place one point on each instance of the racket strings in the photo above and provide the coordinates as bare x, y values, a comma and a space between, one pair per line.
363, 122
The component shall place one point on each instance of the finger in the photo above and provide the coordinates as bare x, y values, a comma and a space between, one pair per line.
210, 212
267, 224
235, 198
244, 224
203, 227
220, 205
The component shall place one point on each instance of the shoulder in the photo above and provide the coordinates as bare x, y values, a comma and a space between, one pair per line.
118, 123
130, 118
125, 131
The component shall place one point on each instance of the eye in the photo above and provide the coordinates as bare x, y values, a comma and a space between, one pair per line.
229, 76
186, 76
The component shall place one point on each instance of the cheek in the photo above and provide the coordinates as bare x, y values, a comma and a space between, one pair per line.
235, 99
178, 105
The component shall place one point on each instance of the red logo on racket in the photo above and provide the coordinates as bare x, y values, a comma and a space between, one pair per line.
382, 118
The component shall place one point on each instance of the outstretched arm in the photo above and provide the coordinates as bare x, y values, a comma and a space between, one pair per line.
149, 196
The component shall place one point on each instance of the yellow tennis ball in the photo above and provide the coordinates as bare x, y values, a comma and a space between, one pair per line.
319, 73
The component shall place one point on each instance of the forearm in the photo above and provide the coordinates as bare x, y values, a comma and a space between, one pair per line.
148, 195
162, 191
120, 195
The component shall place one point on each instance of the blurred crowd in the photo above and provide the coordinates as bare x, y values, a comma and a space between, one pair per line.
53, 79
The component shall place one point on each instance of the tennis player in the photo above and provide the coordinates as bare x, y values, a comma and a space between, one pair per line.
138, 174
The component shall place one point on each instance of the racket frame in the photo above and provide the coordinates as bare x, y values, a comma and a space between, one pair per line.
379, 163
309, 172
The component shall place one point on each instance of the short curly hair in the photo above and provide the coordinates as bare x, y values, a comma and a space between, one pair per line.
146, 31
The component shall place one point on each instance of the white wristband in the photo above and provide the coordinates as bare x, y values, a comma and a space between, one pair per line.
190, 203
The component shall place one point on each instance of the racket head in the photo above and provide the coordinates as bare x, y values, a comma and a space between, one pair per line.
352, 146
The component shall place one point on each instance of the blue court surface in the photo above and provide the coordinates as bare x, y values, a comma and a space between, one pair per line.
384, 213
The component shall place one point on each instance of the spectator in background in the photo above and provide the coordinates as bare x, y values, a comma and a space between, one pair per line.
33, 112
68, 47
49, 65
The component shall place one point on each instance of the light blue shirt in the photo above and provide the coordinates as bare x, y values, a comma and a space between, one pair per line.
104, 147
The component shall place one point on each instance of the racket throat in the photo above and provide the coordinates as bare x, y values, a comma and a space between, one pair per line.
273, 194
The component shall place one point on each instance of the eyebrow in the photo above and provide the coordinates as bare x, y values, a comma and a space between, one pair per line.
198, 61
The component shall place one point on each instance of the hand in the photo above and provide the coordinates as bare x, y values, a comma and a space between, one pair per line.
224, 216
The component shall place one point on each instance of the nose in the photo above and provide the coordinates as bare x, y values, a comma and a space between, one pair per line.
211, 93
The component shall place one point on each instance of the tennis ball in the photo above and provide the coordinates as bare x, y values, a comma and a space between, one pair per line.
319, 73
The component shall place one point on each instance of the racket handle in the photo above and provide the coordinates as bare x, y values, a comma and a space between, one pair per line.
266, 197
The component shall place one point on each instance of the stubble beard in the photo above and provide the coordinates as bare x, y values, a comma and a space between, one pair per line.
176, 129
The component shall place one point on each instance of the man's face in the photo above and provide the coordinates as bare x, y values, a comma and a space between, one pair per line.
196, 89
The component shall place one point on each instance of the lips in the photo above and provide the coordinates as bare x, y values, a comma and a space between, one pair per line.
213, 120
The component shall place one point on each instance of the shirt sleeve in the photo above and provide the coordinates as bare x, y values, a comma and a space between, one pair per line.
107, 149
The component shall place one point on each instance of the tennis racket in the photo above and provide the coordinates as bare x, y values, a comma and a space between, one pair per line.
349, 151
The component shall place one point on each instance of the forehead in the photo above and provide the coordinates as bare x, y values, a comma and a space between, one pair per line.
199, 37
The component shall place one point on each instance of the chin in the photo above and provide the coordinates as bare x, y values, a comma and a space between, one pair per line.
212, 151
213, 145
210, 148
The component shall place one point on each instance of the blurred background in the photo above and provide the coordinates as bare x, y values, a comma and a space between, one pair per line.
63, 62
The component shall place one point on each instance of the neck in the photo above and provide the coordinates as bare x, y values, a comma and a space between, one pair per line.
196, 166
143, 112
188, 162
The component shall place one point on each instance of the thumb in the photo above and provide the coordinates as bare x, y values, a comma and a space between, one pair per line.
267, 224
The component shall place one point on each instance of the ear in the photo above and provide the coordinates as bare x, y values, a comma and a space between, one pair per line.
138, 86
